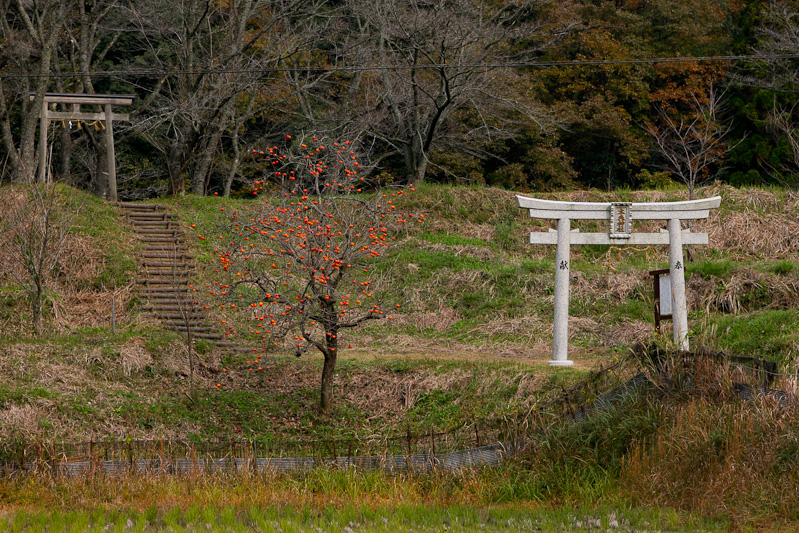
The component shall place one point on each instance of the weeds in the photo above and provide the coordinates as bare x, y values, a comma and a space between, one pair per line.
323, 501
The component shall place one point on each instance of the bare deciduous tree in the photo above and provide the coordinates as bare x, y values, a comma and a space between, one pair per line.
92, 32
434, 59
34, 226
693, 141
778, 35
190, 110
783, 123
31, 32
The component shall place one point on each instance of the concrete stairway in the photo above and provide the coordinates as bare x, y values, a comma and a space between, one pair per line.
166, 267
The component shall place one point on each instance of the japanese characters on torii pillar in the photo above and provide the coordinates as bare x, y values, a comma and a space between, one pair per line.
620, 216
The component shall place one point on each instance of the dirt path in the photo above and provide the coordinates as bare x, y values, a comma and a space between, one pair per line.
416, 349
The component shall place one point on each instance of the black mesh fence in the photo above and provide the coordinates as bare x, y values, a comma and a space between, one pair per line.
410, 451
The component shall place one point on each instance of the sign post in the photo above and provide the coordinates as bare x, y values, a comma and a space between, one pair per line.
662, 301
620, 216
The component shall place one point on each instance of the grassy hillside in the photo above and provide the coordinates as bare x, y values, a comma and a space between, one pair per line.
474, 331
469, 345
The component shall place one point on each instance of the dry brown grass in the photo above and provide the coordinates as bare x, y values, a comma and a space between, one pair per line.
72, 300
97, 375
715, 454
771, 235
381, 394
440, 320
525, 329
20, 420
628, 333
766, 225
134, 358
746, 290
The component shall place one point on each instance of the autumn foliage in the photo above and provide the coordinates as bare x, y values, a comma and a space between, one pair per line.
300, 269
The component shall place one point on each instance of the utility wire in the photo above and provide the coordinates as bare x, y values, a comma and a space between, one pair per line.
537, 64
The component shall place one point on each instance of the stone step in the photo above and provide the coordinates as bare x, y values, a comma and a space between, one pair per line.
144, 224
169, 252
146, 215
195, 326
166, 267
173, 232
162, 281
137, 206
169, 299
174, 317
177, 239
165, 248
163, 290
159, 292
144, 211
173, 303
174, 306
139, 222
157, 255
166, 274
209, 336
156, 226
197, 312
153, 265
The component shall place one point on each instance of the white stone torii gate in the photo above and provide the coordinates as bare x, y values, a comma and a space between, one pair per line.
620, 215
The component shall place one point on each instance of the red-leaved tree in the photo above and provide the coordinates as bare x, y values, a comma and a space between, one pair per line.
300, 269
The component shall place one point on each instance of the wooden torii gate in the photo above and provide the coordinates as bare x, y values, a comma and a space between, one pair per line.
620, 216
106, 116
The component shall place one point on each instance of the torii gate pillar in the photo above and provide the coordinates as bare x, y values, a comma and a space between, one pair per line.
620, 215
560, 331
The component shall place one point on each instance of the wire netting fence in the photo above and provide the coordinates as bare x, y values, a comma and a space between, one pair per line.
407, 452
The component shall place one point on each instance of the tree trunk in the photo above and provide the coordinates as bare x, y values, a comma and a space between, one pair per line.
421, 170
176, 185
234, 165
416, 162
36, 305
326, 401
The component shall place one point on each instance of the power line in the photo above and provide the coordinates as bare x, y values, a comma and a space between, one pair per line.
489, 66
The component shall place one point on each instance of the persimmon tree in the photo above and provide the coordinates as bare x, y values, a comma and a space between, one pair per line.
300, 269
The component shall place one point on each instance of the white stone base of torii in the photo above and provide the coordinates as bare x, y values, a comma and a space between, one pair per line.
620, 216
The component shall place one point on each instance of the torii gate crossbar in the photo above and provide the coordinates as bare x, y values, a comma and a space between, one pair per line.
620, 215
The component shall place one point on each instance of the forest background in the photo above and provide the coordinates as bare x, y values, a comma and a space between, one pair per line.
529, 95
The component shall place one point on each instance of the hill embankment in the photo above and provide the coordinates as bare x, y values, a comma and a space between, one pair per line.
471, 340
